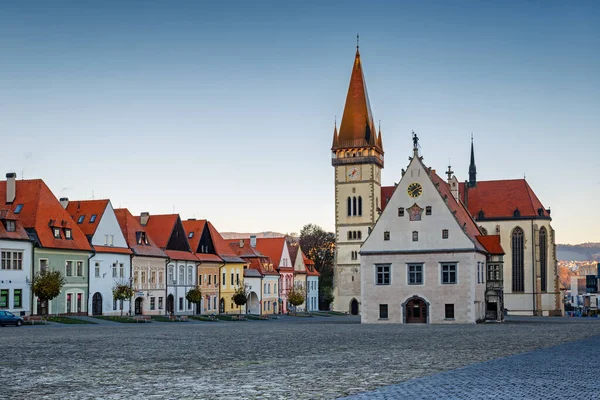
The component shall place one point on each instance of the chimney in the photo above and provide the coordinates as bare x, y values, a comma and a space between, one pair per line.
144, 218
11, 187
241, 243
64, 202
253, 241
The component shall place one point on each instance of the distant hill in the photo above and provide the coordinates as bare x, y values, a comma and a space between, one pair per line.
238, 235
578, 252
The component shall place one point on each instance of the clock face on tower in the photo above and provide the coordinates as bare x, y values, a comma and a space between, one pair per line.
353, 173
415, 189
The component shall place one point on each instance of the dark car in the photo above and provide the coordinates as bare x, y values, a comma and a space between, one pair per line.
8, 318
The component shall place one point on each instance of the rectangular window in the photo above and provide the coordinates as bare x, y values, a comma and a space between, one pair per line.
215, 280
79, 268
153, 277
478, 274
111, 240
135, 277
428, 210
160, 303
232, 281
114, 270
56, 232
449, 273
5, 260
237, 278
79, 302
17, 299
401, 211
415, 274
180, 303
106, 240
114, 304
224, 279
80, 219
493, 272
93, 218
18, 208
189, 304
209, 279
444, 233
415, 236
386, 235
383, 274
69, 301
69, 268
12, 260
152, 303
3, 298
43, 265
143, 277
161, 277
383, 311
121, 270
97, 270
11, 226
68, 234
449, 308
215, 301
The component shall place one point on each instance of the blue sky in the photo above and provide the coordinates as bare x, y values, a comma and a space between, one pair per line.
225, 111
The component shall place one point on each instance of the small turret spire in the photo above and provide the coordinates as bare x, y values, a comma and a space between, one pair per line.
334, 144
472, 167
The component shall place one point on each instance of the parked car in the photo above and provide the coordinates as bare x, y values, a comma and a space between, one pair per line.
8, 318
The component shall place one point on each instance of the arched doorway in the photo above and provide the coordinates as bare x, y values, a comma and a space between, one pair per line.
354, 307
139, 305
170, 304
253, 304
221, 306
42, 307
97, 304
415, 311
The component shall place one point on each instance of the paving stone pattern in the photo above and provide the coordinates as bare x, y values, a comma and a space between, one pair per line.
566, 371
291, 358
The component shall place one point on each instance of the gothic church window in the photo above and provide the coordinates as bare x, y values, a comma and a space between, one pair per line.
518, 260
359, 235
354, 206
543, 258
360, 205
349, 235
349, 206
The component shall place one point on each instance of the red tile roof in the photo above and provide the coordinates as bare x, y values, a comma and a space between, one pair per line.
458, 209
130, 226
41, 211
386, 195
272, 248
19, 234
197, 227
222, 246
499, 199
160, 228
87, 208
110, 249
256, 259
181, 255
310, 266
491, 244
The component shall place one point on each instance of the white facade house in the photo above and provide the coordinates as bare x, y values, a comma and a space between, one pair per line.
312, 293
110, 264
181, 277
423, 263
16, 257
253, 282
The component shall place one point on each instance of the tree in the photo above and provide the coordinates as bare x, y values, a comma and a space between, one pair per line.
194, 296
296, 296
564, 276
319, 247
46, 285
328, 295
240, 296
122, 292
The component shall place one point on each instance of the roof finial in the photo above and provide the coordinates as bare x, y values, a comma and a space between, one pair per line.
415, 143
357, 42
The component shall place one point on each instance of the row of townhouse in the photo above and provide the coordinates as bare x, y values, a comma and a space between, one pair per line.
160, 256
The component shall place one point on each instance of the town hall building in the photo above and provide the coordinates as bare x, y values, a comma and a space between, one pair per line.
524, 277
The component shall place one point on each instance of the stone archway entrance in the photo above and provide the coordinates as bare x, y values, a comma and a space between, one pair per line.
354, 307
97, 304
253, 304
139, 306
415, 311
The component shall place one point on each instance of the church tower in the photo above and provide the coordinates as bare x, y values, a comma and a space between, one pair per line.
357, 156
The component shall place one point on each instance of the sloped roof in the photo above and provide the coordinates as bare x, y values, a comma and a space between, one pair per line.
41, 211
130, 226
110, 249
160, 228
458, 209
500, 199
272, 248
181, 255
197, 227
293, 250
386, 195
20, 233
255, 258
87, 208
222, 246
491, 244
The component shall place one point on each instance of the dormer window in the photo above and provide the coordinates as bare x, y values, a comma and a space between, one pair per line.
480, 214
18, 208
190, 235
11, 226
56, 232
68, 234
93, 218
516, 213
80, 219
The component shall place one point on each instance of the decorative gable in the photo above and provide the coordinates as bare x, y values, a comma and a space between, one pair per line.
206, 245
178, 239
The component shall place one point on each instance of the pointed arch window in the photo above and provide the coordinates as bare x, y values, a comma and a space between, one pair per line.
353, 234
349, 206
349, 235
543, 258
359, 205
518, 260
359, 235
354, 205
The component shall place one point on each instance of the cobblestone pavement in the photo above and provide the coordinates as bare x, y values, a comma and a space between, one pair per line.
564, 371
290, 358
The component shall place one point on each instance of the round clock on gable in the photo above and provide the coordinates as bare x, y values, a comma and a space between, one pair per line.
414, 189
354, 173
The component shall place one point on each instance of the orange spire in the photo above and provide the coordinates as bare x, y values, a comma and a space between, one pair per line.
334, 145
379, 139
357, 128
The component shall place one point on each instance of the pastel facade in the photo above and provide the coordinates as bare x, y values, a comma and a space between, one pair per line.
110, 264
299, 274
277, 251
148, 267
59, 244
312, 284
16, 254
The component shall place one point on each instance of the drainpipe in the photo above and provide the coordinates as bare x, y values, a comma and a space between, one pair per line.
131, 282
219, 288
31, 305
89, 279
533, 267
167, 261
